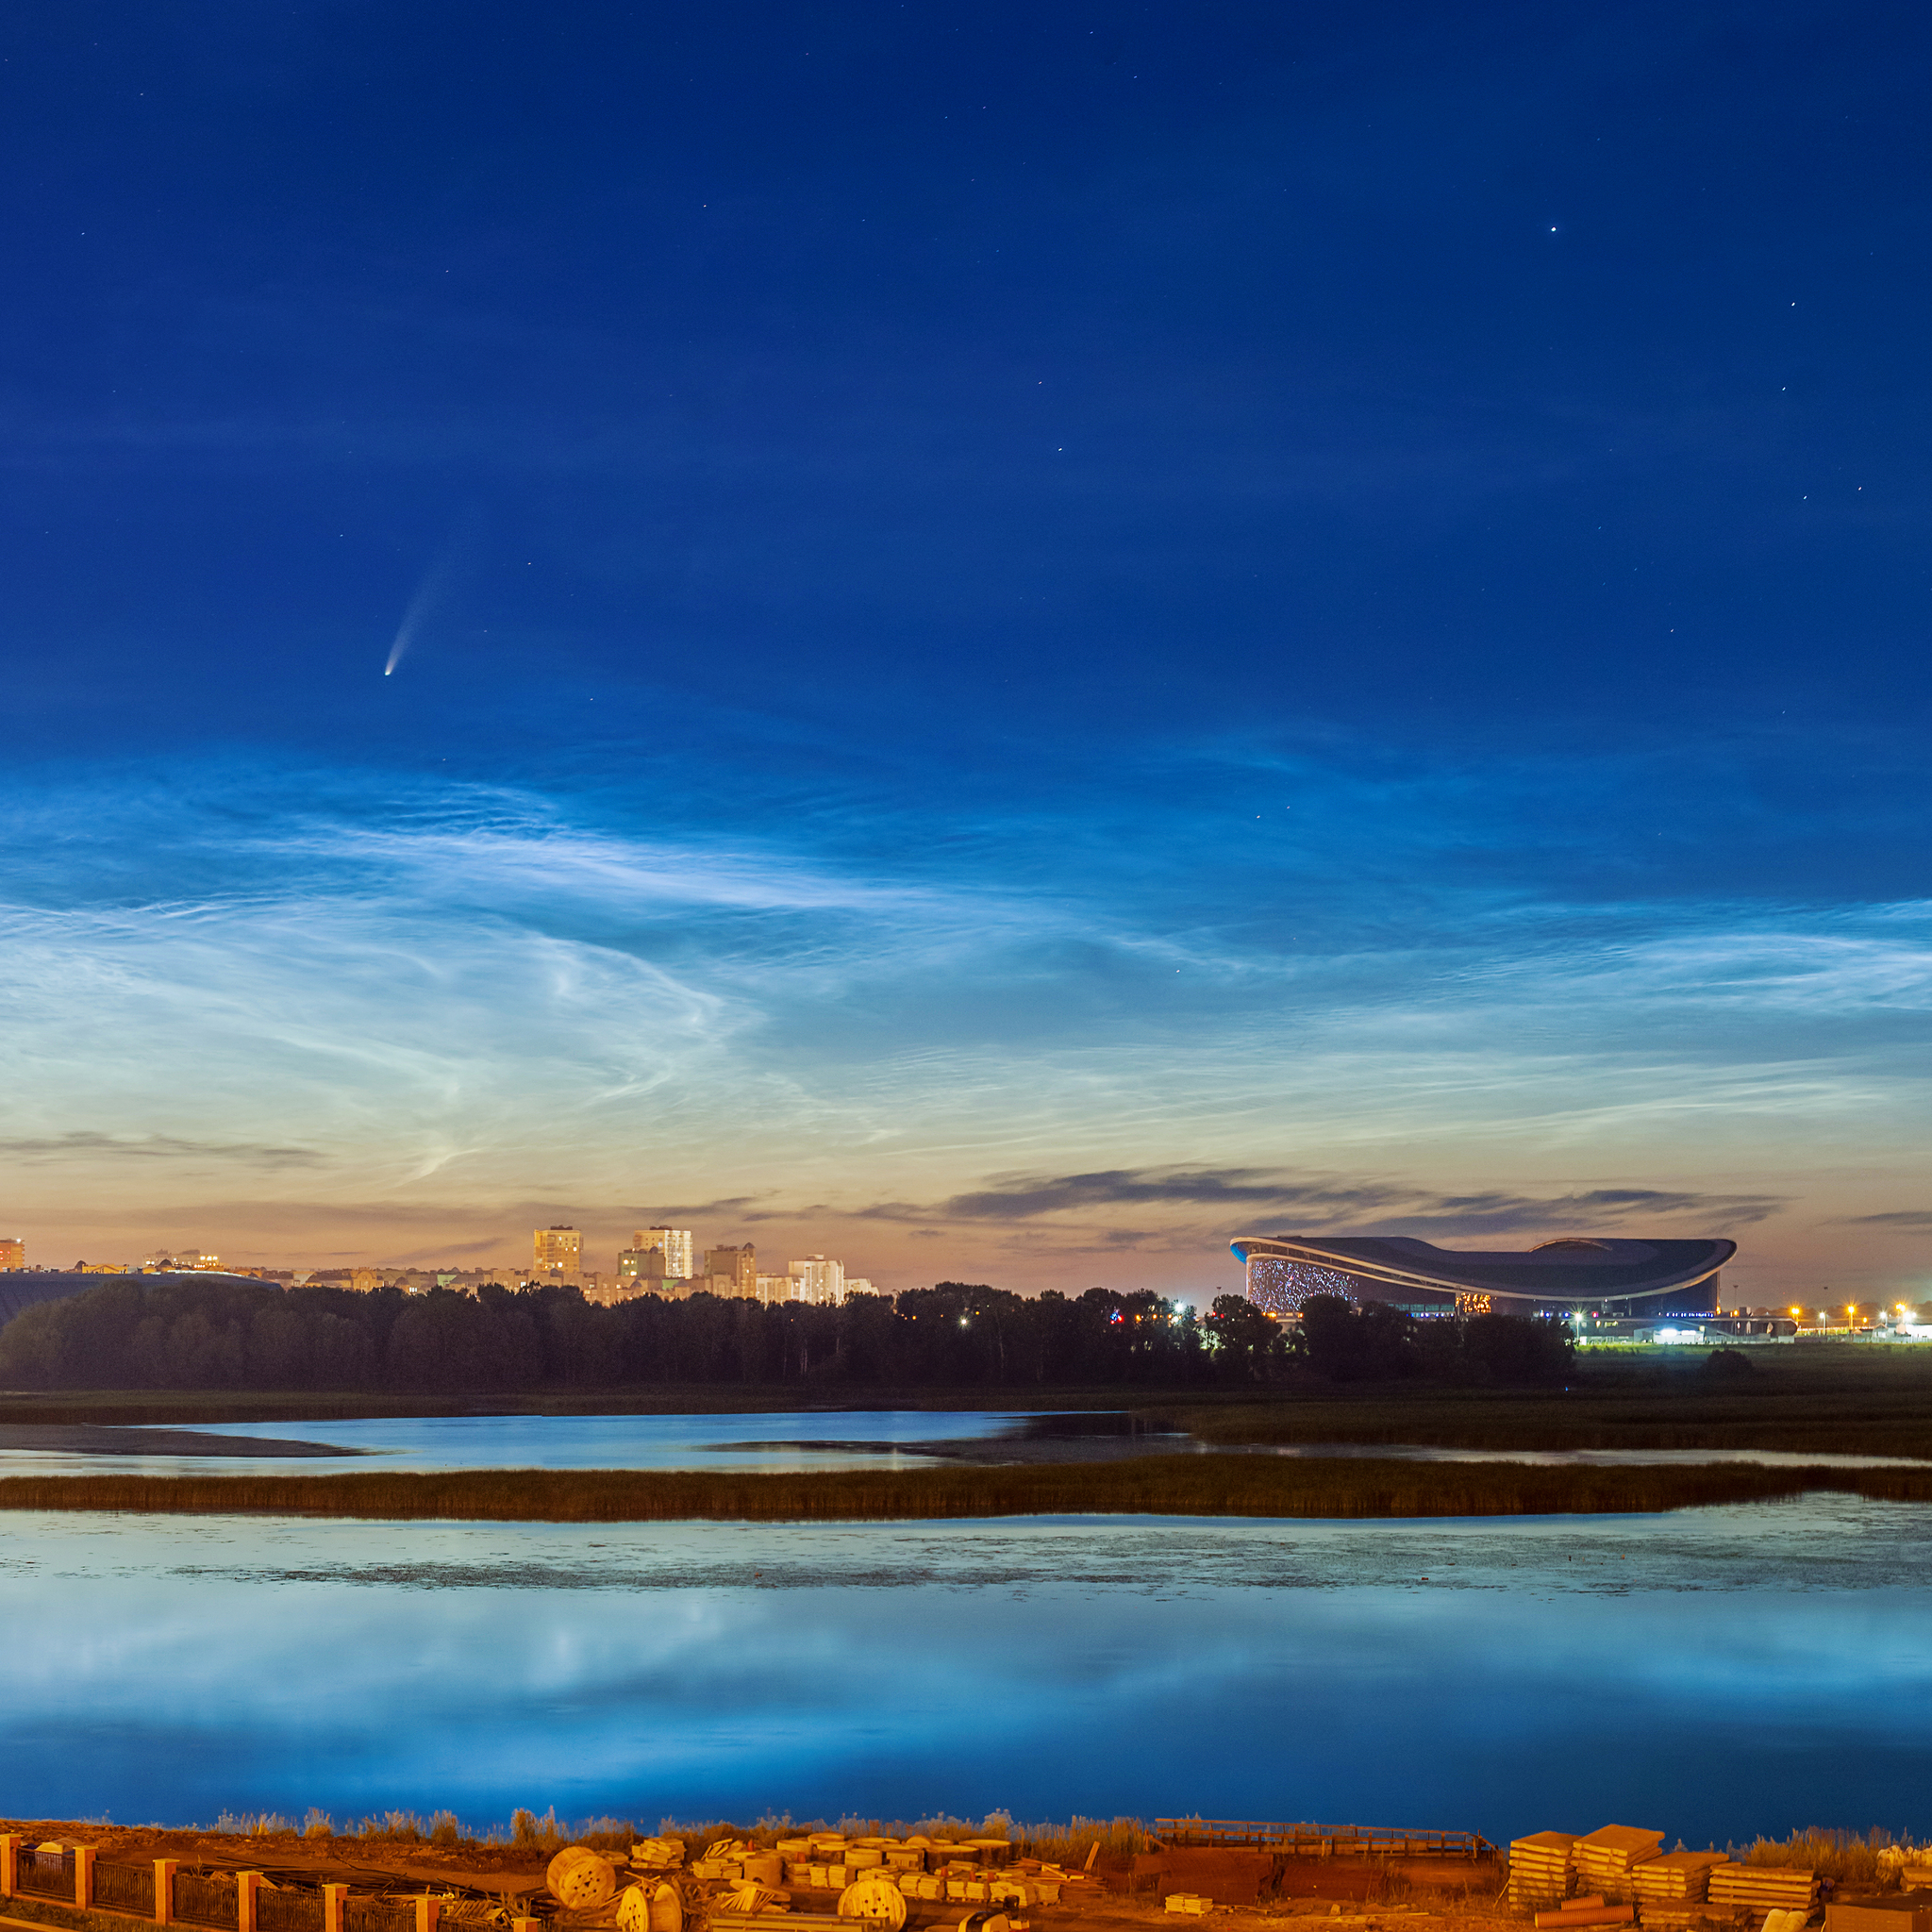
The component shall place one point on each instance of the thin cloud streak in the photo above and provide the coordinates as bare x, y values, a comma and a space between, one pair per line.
51, 1147
1359, 1204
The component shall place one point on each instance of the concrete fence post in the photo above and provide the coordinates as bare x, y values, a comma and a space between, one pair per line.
428, 1909
164, 1889
247, 1884
83, 1876
10, 1863
334, 1900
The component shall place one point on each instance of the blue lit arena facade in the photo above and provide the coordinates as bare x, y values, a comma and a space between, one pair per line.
1611, 1276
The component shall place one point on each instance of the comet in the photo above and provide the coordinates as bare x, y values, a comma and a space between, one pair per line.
429, 593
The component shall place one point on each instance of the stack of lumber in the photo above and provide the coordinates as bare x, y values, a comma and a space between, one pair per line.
1540, 1868
1891, 1912
1605, 1857
1761, 1889
1672, 1878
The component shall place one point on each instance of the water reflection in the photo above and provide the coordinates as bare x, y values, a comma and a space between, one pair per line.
864, 1439
1712, 1673
1600, 1458
789, 1441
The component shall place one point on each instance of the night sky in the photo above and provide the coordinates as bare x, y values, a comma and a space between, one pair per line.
1019, 638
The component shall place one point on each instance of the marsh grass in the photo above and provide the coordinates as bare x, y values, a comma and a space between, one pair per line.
1162, 1486
1119, 1838
252, 1824
1847, 1857
1851, 1399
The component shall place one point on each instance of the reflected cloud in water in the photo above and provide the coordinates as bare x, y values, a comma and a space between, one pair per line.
1723, 1671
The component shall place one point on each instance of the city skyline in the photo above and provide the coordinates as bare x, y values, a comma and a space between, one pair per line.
991, 641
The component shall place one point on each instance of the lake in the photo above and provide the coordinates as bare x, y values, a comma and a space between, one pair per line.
788, 1440
1711, 1673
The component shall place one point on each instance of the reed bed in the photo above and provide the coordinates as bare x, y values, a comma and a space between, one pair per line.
1890, 1416
1119, 1838
1867, 1859
1157, 1486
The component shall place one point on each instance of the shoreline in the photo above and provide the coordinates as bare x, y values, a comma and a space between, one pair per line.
1846, 1401
1206, 1486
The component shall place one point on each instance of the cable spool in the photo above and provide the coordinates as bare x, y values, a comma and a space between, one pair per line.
875, 1899
580, 1879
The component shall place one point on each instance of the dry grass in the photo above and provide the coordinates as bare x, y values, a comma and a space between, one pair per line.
1847, 1857
1162, 1486
1844, 1399
1119, 1838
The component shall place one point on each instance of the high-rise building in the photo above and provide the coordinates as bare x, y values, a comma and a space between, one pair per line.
675, 1243
732, 1270
819, 1281
12, 1252
558, 1251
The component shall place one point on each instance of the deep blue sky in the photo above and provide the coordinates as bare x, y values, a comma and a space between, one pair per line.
1032, 636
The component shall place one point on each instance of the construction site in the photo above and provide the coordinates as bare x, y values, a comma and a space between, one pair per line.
102, 1879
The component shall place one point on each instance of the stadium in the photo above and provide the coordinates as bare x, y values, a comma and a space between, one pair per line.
1600, 1277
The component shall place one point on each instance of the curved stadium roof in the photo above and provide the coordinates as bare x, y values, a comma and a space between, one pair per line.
1598, 1272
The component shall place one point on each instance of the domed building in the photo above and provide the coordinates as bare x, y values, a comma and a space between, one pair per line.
1605, 1275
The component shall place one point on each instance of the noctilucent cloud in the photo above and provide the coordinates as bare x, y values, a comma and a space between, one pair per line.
1001, 641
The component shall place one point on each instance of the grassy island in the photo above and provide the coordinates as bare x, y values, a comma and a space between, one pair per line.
1208, 1484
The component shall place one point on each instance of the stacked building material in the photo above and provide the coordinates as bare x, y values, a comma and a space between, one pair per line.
1896, 1911
1761, 1889
1541, 1867
1672, 1878
1605, 1857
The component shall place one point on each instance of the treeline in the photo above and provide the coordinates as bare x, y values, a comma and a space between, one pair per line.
173, 1332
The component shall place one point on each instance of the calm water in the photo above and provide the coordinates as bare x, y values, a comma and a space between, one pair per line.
1711, 1673
856, 1439
544, 1441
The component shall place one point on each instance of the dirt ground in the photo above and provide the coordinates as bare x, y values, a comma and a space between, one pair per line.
510, 1870
1250, 1888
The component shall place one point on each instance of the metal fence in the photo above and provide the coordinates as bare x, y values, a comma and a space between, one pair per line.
125, 1889
288, 1908
45, 1874
379, 1915
201, 1899
211, 1899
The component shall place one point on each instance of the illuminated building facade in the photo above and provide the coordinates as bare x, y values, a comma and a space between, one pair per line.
1278, 1285
732, 1270
556, 1251
673, 1243
12, 1254
1612, 1275
818, 1281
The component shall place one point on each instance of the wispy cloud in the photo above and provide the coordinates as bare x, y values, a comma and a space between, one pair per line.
1906, 1219
1359, 1205
490, 999
82, 1143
